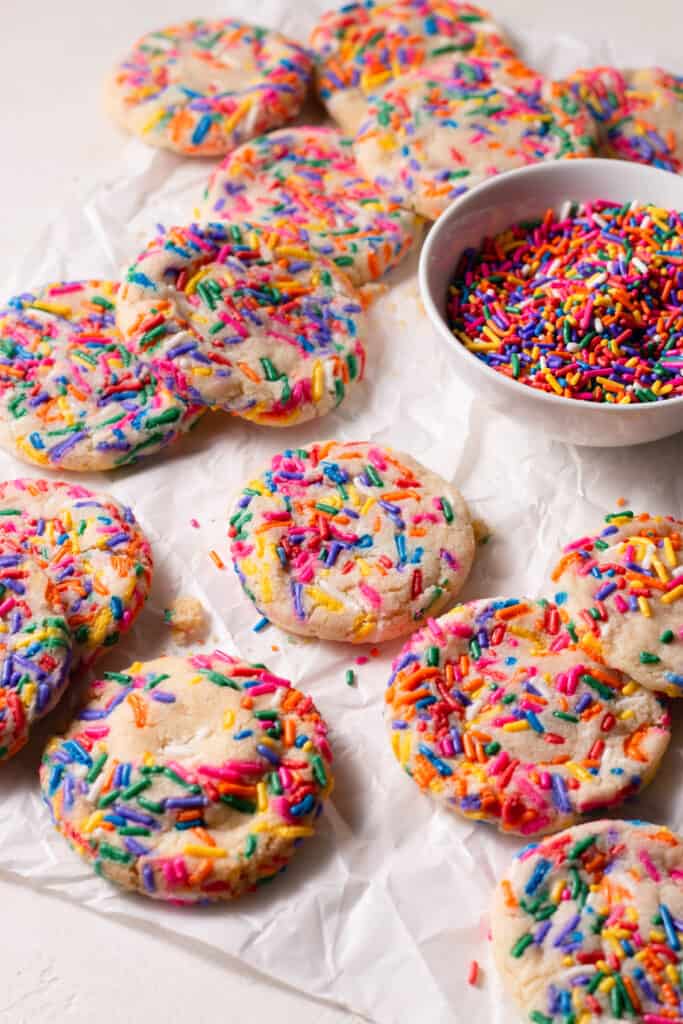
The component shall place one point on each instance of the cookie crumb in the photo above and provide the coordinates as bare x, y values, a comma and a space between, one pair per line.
482, 533
187, 620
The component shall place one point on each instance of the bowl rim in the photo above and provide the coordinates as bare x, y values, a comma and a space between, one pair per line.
439, 321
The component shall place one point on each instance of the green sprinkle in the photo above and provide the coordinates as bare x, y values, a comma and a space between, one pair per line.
565, 716
605, 692
373, 476
539, 1018
136, 788
96, 768
219, 679
169, 416
153, 806
269, 370
250, 846
447, 510
112, 853
648, 658
350, 677
105, 801
521, 944
319, 773
432, 657
133, 830
666, 637
238, 803
581, 847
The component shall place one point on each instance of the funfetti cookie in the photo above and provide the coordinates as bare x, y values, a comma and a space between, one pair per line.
71, 395
93, 551
239, 320
203, 87
431, 135
35, 645
304, 184
361, 47
189, 779
623, 588
639, 113
588, 925
350, 541
494, 712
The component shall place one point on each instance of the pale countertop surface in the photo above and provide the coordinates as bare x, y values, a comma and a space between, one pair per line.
60, 963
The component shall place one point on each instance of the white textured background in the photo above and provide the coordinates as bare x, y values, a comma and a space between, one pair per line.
59, 963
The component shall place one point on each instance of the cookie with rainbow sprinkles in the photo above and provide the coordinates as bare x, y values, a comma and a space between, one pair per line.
623, 588
189, 779
432, 134
363, 46
305, 184
498, 715
350, 541
240, 320
90, 546
71, 394
588, 925
203, 87
638, 113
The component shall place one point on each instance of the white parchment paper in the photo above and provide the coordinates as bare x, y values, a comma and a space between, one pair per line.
384, 909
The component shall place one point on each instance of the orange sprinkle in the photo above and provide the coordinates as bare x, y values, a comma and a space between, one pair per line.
216, 559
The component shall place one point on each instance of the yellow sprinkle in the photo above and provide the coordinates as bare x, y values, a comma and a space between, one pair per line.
31, 453
369, 502
202, 371
607, 984
191, 285
320, 597
669, 553
266, 587
200, 850
629, 713
568, 961
406, 747
518, 726
293, 831
317, 381
196, 679
154, 120
396, 738
362, 626
673, 595
557, 890
237, 116
657, 935
58, 308
229, 719
629, 689
287, 250
261, 796
93, 822
671, 973
644, 606
99, 627
579, 773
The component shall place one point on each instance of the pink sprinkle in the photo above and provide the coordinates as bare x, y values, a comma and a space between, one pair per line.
7, 605
362, 660
621, 604
372, 595
194, 523
649, 866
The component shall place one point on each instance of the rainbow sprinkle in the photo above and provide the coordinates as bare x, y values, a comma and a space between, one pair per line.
584, 304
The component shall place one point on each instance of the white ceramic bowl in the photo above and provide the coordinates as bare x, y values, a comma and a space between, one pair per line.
493, 206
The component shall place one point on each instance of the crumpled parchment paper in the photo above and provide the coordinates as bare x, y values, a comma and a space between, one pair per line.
383, 910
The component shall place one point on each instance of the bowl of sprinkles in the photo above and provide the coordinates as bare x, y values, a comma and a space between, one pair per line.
558, 289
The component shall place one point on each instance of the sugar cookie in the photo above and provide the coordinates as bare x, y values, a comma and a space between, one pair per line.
304, 184
189, 779
95, 554
350, 541
587, 925
493, 711
433, 134
624, 590
363, 46
639, 113
71, 395
229, 321
203, 87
